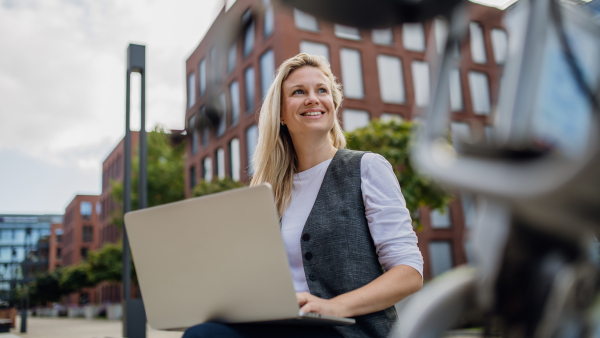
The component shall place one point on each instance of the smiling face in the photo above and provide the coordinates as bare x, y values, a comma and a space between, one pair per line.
307, 104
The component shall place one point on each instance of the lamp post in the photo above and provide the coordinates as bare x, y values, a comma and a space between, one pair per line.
134, 316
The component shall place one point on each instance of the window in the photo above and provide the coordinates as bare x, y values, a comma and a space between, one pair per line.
499, 45
314, 48
223, 120
6, 235
191, 90
194, 132
480, 93
391, 81
205, 136
352, 73
386, 117
231, 58
440, 220
98, 208
267, 69
234, 92
382, 36
58, 253
84, 253
469, 210
234, 160
249, 84
269, 19
85, 208
346, 32
456, 102
440, 253
207, 163
460, 132
354, 119
477, 43
440, 30
305, 21
248, 33
202, 76
220, 163
192, 177
215, 65
88, 234
251, 142
420, 72
413, 37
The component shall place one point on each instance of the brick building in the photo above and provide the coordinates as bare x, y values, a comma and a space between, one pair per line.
80, 237
55, 245
385, 74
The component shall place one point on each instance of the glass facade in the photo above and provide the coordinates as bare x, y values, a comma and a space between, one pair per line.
24, 249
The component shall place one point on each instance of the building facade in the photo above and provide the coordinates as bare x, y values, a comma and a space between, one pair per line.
24, 249
385, 74
55, 245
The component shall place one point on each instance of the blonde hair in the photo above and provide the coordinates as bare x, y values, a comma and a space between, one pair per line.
275, 159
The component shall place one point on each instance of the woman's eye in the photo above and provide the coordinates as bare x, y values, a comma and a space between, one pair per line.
322, 90
298, 91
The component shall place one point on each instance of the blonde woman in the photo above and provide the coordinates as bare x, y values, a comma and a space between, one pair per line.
343, 216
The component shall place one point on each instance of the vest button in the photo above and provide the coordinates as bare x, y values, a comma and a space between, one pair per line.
305, 237
308, 256
312, 276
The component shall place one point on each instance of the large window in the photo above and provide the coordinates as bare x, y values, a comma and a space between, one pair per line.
352, 78
269, 19
314, 48
85, 208
382, 36
251, 142
456, 101
234, 159
194, 131
215, 65
440, 220
191, 90
354, 119
460, 132
420, 73
202, 76
346, 32
440, 30
480, 93
267, 69
207, 168
440, 253
477, 43
249, 84
223, 121
192, 177
499, 45
391, 81
88, 234
220, 163
231, 58
248, 22
305, 21
413, 37
234, 93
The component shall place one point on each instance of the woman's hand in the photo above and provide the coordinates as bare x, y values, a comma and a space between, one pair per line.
310, 303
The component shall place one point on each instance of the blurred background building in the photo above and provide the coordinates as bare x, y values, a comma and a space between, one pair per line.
385, 74
25, 249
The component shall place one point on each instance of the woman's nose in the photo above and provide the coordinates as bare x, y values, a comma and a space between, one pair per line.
311, 98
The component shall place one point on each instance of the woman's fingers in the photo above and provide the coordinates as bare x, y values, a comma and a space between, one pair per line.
303, 298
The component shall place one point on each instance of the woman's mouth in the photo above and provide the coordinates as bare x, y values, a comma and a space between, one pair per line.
312, 113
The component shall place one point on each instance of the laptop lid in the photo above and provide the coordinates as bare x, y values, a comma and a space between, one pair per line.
219, 257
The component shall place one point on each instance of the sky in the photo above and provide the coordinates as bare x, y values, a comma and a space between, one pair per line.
62, 88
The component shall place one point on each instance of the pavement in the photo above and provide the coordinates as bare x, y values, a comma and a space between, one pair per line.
77, 328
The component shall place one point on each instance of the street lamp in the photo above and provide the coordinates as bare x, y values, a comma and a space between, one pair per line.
134, 315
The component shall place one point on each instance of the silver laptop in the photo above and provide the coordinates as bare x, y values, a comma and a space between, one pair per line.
216, 258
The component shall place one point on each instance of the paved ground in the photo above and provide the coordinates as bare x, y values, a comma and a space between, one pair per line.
77, 328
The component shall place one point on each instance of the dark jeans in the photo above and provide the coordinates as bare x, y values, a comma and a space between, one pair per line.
258, 331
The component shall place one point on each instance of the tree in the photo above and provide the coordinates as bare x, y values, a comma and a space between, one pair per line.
45, 288
393, 141
165, 173
106, 264
215, 186
74, 278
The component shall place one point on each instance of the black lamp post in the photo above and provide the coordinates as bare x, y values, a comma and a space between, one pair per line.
134, 316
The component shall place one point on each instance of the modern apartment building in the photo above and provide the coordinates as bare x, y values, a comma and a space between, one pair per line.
24, 249
385, 74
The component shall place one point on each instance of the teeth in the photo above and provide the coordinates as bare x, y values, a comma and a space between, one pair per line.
313, 113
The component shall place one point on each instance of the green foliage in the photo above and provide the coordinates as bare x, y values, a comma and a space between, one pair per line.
393, 141
75, 277
106, 264
165, 173
215, 186
44, 288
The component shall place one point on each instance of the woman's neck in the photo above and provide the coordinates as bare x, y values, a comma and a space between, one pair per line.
311, 151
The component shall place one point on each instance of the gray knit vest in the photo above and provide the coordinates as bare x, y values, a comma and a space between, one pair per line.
337, 249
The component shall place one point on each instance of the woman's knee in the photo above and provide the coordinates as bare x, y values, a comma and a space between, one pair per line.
209, 330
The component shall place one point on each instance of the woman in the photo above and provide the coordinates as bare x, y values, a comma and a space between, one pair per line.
343, 217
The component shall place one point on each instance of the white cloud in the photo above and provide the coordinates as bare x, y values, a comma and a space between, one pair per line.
62, 72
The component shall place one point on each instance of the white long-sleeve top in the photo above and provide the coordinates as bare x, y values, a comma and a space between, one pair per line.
385, 208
